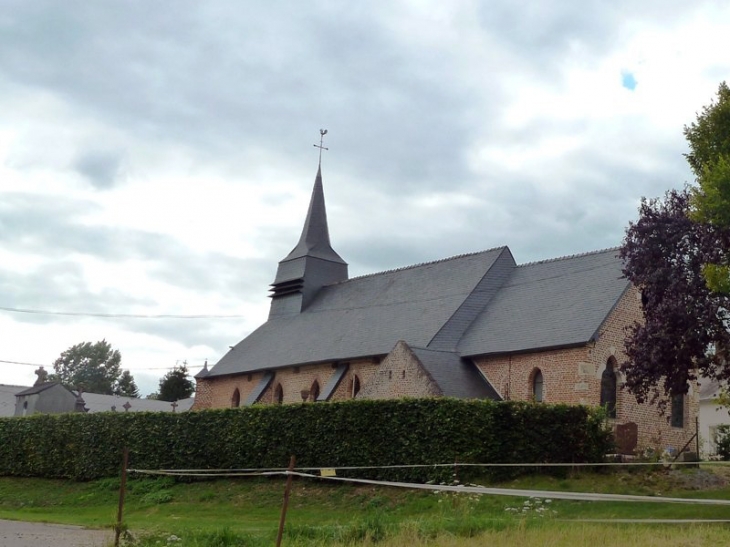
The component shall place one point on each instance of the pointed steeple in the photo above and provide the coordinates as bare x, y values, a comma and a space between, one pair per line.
315, 238
312, 264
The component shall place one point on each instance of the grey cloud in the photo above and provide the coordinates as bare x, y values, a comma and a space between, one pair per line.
542, 34
271, 88
59, 286
47, 227
100, 167
217, 334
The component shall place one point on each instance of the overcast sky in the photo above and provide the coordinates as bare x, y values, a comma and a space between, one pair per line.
157, 158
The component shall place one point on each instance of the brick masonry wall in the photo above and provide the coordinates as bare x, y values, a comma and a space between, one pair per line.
574, 376
400, 375
218, 392
203, 395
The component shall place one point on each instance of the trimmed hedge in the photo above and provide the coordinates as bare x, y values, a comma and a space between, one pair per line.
348, 433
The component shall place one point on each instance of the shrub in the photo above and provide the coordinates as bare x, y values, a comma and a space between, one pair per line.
722, 441
348, 433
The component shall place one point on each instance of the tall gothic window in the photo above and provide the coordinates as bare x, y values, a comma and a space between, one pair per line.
608, 388
537, 386
236, 399
677, 417
278, 394
355, 386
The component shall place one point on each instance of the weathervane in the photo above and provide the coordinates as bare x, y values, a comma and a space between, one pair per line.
322, 133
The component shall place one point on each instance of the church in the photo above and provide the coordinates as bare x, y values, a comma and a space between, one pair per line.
478, 325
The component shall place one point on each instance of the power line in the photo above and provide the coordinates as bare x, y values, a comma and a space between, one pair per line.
19, 363
121, 315
135, 368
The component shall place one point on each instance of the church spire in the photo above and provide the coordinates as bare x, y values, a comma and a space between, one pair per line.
313, 263
315, 238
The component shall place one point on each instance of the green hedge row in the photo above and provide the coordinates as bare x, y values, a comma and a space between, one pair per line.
350, 433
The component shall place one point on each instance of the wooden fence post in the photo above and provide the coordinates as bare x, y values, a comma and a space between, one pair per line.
122, 492
285, 505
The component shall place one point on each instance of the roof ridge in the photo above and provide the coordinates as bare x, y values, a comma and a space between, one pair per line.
421, 348
418, 265
568, 257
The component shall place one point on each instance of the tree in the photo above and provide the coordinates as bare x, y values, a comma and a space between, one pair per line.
709, 158
176, 384
678, 254
126, 386
664, 254
95, 368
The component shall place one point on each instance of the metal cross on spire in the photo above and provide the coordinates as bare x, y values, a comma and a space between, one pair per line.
322, 133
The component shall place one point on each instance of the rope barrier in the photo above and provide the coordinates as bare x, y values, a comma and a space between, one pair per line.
575, 496
436, 465
460, 489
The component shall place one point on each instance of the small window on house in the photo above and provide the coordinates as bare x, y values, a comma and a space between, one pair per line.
403, 374
236, 399
537, 386
314, 391
677, 417
355, 386
390, 375
25, 405
278, 394
608, 388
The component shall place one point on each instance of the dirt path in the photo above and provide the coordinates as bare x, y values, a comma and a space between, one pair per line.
15, 533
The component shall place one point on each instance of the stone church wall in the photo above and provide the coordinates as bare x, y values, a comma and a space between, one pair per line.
400, 375
573, 376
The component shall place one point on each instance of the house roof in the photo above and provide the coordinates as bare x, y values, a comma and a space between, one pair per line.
39, 388
95, 402
364, 316
554, 303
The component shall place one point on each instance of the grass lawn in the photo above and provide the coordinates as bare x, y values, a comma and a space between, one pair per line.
246, 511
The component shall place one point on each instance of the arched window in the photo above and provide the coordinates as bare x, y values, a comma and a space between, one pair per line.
278, 394
608, 388
236, 399
677, 417
314, 391
537, 386
355, 386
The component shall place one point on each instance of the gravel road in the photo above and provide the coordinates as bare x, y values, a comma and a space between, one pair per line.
15, 533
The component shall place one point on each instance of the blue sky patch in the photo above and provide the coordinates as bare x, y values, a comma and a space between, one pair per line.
628, 80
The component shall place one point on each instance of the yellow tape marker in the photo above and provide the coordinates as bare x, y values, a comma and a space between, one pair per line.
327, 473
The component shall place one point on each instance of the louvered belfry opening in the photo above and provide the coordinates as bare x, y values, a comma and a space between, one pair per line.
286, 288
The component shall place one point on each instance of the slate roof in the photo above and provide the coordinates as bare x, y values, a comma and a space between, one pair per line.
315, 238
455, 376
38, 389
364, 316
554, 303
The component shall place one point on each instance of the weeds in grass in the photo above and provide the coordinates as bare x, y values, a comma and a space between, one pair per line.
220, 538
533, 508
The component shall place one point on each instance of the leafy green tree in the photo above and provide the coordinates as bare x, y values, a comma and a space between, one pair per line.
709, 158
176, 384
126, 385
95, 368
